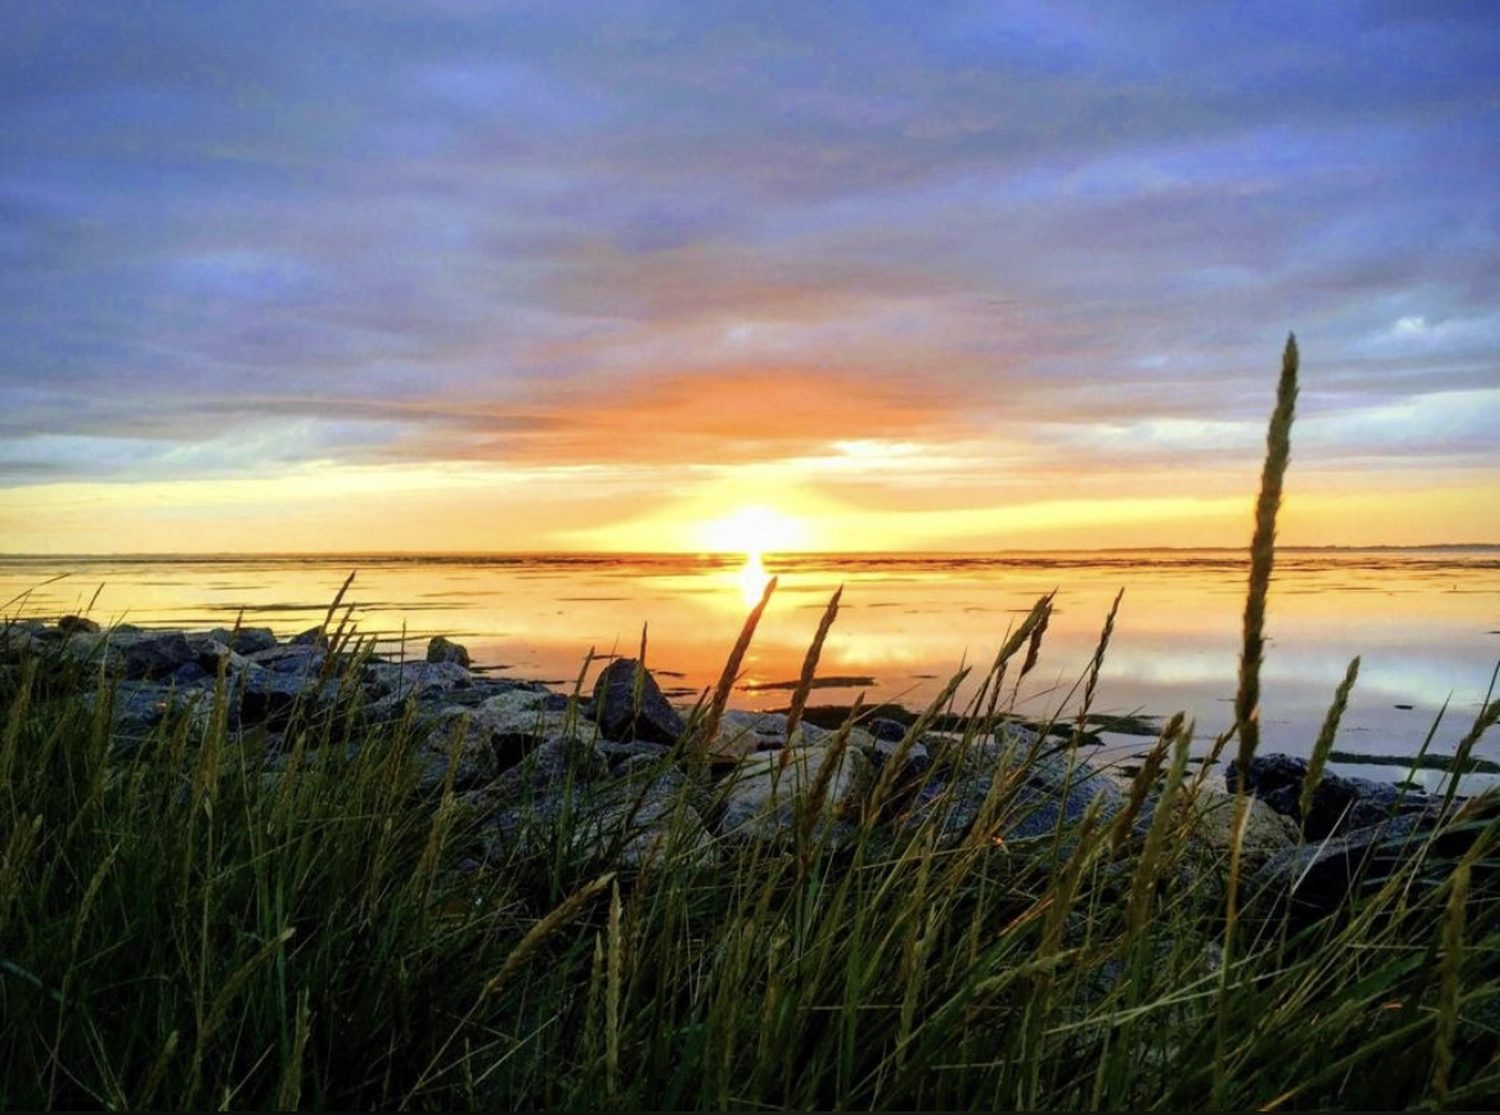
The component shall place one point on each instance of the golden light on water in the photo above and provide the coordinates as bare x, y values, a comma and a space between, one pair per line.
753, 530
751, 579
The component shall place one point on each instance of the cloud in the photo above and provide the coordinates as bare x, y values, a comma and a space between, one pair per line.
1014, 231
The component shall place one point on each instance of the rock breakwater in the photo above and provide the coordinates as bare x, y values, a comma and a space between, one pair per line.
620, 775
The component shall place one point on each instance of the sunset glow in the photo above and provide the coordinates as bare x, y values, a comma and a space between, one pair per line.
754, 531
911, 277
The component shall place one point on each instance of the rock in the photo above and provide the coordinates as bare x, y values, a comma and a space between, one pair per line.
440, 649
139, 707
743, 733
529, 714
764, 794
1339, 805
616, 710
264, 696
1039, 812
1267, 832
300, 658
977, 754
147, 655
312, 637
557, 763
247, 640
469, 772
507, 728
882, 749
407, 679
620, 755
618, 824
1034, 793
1315, 880
74, 625
885, 729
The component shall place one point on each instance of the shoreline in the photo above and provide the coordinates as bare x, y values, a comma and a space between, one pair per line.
1101, 731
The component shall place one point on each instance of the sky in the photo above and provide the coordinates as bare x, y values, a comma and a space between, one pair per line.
344, 275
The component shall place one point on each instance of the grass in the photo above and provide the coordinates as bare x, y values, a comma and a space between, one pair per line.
181, 929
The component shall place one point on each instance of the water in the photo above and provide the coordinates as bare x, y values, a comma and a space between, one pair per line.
1425, 623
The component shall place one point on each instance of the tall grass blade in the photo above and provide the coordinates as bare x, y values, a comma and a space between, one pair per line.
705, 736
810, 664
1096, 663
1450, 969
1324, 743
1263, 555
563, 913
1247, 697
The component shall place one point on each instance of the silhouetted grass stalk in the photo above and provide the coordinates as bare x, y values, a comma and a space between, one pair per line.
1324, 743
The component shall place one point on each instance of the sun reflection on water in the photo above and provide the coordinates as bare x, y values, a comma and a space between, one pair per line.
751, 578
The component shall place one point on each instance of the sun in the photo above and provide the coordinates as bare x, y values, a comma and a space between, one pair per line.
753, 530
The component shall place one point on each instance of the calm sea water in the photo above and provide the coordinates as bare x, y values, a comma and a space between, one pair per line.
1426, 624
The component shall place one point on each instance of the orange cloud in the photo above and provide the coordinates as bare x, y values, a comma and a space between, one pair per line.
725, 416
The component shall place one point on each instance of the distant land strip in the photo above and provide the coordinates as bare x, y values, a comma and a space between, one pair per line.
831, 682
1421, 762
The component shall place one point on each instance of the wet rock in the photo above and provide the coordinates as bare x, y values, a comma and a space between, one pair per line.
619, 715
440, 649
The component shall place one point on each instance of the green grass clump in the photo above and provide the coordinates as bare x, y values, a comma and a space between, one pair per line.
183, 925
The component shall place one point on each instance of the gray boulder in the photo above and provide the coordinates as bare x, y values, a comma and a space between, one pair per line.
416, 679
139, 707
1339, 805
618, 823
300, 658
440, 649
247, 640
619, 715
148, 655
1314, 880
768, 790
1034, 792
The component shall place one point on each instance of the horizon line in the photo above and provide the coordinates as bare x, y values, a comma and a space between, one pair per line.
330, 554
